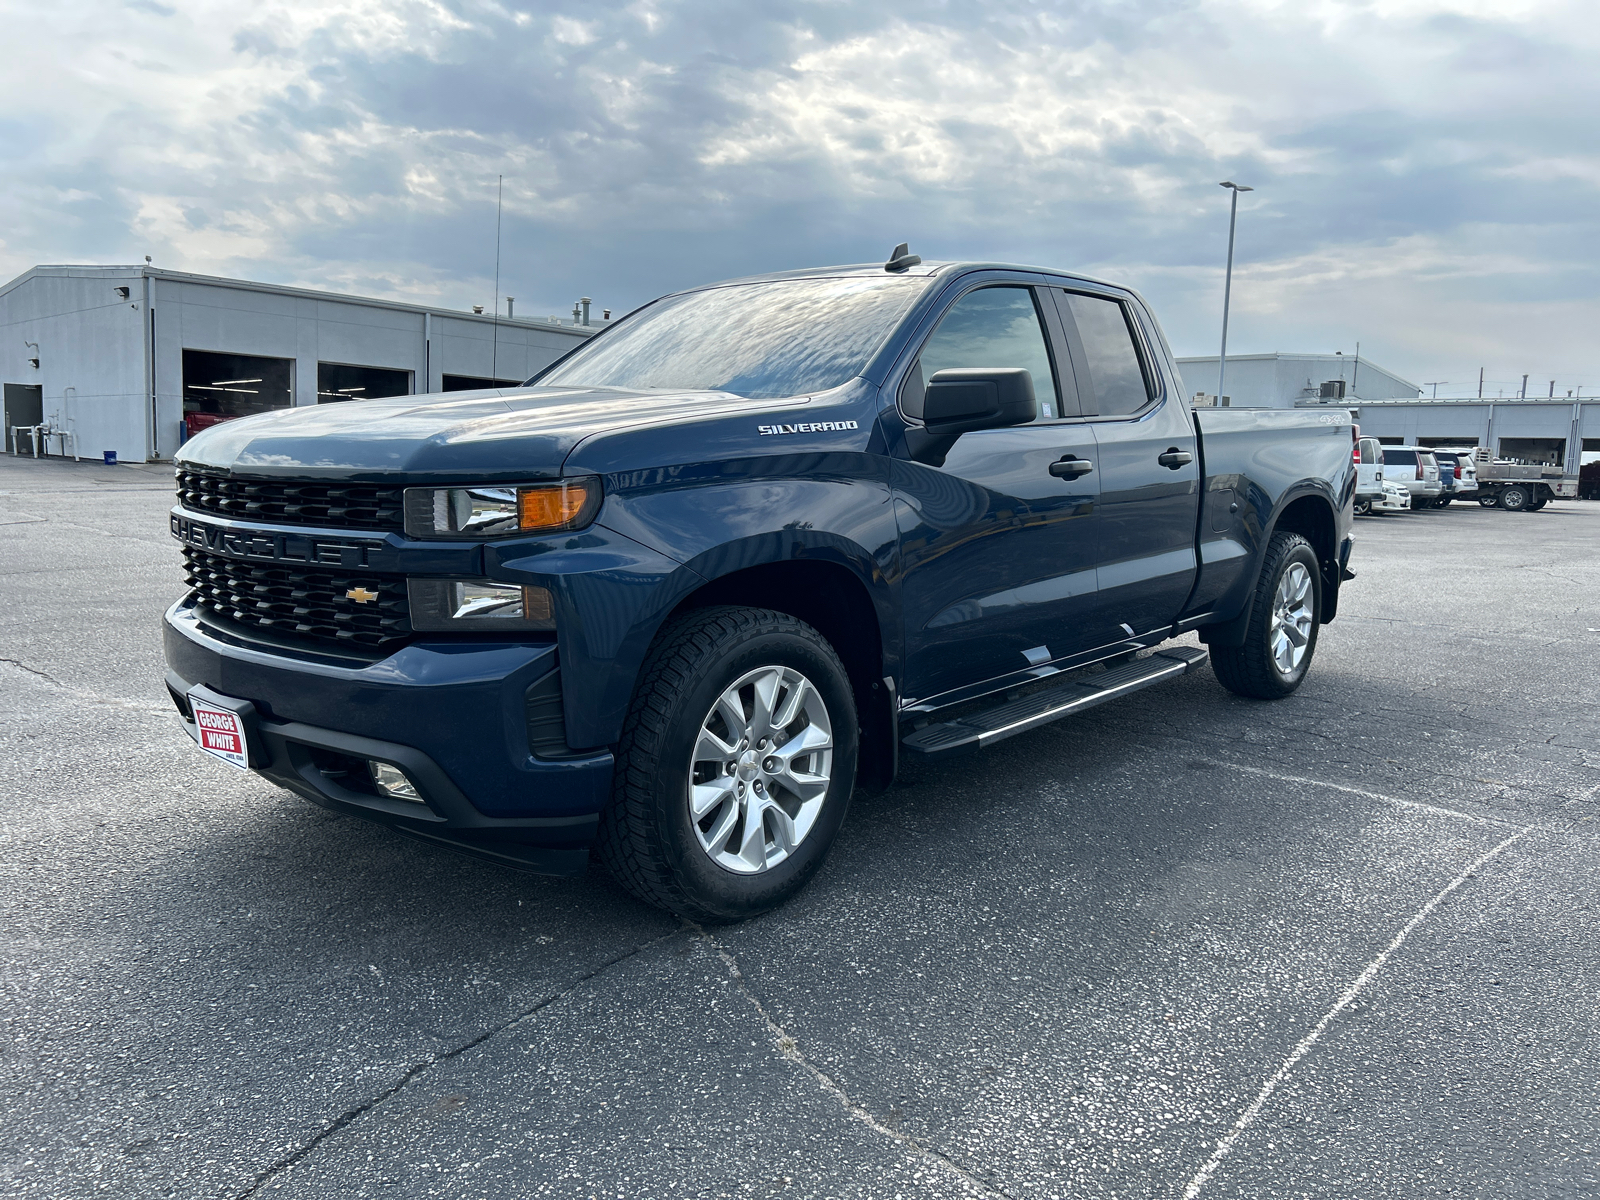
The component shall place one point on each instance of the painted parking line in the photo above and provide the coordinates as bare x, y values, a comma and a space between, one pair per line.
1396, 801
1368, 973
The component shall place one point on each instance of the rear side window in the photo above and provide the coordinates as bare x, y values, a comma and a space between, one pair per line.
1371, 452
1116, 383
992, 327
1400, 458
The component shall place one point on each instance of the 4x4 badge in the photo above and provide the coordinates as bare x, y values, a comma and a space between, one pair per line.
360, 595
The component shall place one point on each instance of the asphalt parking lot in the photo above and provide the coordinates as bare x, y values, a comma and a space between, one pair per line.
1185, 945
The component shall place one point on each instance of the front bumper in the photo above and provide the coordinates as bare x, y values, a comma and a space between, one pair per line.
451, 714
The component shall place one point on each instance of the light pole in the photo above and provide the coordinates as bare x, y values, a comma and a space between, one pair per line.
1227, 286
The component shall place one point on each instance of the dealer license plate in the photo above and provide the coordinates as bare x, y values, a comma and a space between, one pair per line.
220, 732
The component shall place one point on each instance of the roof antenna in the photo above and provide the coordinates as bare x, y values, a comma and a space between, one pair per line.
902, 259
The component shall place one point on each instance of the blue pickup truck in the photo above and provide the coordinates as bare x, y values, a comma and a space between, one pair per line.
669, 602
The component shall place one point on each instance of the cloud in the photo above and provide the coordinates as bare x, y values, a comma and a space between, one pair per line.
1432, 150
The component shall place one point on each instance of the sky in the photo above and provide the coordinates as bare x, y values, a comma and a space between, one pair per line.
1426, 171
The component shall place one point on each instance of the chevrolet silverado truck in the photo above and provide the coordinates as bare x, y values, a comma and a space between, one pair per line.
669, 602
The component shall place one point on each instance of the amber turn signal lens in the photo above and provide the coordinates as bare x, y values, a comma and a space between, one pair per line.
556, 506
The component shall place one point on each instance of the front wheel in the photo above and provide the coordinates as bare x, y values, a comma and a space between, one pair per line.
735, 767
1282, 635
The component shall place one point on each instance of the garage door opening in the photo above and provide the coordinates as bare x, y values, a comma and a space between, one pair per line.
222, 386
1536, 452
469, 383
341, 381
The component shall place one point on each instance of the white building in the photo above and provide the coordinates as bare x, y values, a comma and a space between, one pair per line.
1563, 433
1559, 432
130, 358
1287, 380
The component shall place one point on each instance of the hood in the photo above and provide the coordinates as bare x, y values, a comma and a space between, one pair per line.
501, 433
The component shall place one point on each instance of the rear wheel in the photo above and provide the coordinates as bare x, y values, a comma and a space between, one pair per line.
1363, 508
1443, 502
1536, 505
735, 767
1489, 501
1515, 498
1282, 635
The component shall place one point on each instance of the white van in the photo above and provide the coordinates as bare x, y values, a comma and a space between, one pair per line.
1369, 475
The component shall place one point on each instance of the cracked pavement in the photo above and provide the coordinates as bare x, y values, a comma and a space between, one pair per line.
1069, 966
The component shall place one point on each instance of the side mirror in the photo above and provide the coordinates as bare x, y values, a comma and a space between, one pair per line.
966, 399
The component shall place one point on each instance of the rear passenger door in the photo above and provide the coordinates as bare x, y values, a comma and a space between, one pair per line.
1148, 464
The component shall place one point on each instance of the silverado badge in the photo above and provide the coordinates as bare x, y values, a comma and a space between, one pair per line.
360, 595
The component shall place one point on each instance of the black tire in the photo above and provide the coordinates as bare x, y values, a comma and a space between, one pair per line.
1251, 669
1536, 505
1443, 502
1363, 508
1515, 498
1489, 501
647, 837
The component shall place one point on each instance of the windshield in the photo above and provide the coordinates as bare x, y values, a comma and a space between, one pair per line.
762, 340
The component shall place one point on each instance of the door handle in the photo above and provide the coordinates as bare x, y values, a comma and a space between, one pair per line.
1070, 468
1175, 458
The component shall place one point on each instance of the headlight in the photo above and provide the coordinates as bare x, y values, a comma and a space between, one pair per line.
485, 512
478, 606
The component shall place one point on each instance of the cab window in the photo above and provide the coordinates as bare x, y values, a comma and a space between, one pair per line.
991, 327
1117, 384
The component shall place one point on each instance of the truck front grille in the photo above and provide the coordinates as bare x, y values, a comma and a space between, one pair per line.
299, 601
288, 502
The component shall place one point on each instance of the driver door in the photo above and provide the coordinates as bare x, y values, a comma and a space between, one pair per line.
997, 552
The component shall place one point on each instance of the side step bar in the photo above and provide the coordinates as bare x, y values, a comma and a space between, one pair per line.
980, 729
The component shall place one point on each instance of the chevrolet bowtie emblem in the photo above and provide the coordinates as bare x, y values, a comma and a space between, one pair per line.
360, 595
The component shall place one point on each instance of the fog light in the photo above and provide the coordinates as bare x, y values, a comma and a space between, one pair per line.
391, 781
468, 605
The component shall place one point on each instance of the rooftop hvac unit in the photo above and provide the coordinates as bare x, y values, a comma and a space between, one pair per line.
1333, 390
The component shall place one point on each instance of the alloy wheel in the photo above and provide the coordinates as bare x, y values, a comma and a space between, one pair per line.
1292, 617
760, 769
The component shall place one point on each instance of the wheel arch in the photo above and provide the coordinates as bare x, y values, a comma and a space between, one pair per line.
831, 597
1307, 510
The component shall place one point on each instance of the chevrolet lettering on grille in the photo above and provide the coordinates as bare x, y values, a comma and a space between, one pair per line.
264, 546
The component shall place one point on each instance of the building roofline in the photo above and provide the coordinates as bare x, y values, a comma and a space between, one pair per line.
1307, 357
139, 270
1279, 354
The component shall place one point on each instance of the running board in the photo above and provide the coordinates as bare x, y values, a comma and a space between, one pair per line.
1018, 716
